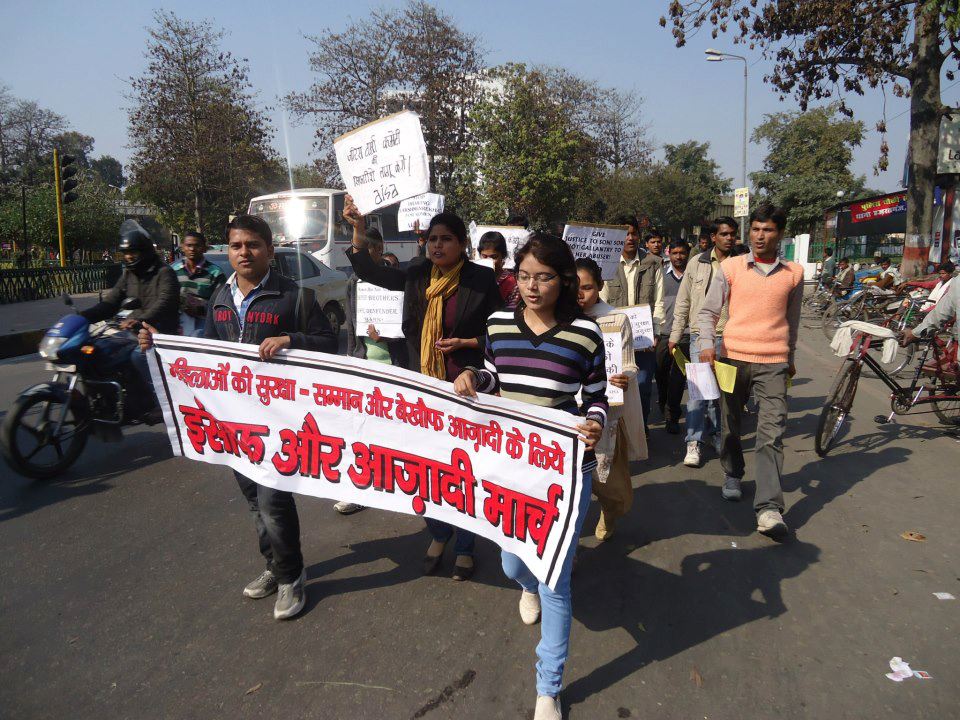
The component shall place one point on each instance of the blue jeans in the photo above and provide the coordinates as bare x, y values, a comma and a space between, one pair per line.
703, 416
442, 532
556, 610
646, 371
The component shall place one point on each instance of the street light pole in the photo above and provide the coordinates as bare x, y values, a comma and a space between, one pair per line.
717, 56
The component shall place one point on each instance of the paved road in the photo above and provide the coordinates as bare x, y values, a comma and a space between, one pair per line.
39, 314
120, 593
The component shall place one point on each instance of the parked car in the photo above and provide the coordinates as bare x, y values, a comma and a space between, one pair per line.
330, 285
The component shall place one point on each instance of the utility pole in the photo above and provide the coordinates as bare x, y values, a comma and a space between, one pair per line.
717, 56
56, 179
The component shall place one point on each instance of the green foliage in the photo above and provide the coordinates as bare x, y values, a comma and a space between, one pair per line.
527, 157
808, 162
109, 169
90, 223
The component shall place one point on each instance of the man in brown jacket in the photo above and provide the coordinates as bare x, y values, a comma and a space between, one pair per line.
639, 281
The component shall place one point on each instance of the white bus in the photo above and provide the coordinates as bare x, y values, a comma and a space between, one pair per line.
313, 219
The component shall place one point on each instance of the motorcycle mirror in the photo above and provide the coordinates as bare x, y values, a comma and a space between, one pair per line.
130, 304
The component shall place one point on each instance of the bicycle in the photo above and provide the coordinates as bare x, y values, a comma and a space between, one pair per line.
942, 391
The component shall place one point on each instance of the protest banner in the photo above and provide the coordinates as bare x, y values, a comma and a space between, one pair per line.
516, 237
377, 435
641, 322
603, 243
381, 308
384, 162
422, 208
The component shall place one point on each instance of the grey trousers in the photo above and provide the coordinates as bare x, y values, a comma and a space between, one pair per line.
768, 381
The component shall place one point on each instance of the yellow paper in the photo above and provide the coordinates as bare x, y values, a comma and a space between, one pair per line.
680, 359
726, 376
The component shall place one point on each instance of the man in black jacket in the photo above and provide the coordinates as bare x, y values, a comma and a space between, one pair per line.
264, 308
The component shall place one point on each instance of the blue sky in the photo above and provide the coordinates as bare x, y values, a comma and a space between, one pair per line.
616, 42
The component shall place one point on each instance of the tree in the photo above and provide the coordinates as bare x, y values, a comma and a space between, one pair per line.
807, 163
685, 190
527, 157
825, 48
27, 134
416, 59
201, 146
109, 169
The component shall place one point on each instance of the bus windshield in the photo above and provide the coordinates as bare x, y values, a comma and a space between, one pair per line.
295, 219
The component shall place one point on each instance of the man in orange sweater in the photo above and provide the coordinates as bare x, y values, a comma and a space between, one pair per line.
760, 339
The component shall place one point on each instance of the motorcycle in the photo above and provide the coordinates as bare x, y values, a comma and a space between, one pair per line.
95, 390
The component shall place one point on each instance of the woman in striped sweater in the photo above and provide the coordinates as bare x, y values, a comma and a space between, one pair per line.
544, 352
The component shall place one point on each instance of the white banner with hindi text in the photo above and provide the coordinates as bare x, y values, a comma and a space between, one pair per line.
378, 435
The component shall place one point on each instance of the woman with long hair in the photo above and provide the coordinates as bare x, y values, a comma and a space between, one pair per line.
545, 352
623, 438
446, 303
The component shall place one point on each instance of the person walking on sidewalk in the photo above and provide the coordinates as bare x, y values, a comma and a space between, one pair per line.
760, 339
670, 380
264, 308
703, 416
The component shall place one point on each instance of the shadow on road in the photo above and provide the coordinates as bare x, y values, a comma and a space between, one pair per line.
665, 613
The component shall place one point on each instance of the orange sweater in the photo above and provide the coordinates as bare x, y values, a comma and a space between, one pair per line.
759, 328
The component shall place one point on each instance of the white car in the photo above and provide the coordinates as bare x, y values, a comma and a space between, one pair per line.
330, 285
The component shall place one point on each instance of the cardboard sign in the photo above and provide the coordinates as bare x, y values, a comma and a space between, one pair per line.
641, 322
613, 352
378, 435
384, 162
381, 308
516, 238
603, 243
422, 208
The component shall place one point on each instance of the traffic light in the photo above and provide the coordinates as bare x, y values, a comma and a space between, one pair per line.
68, 169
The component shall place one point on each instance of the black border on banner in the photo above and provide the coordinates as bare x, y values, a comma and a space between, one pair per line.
353, 370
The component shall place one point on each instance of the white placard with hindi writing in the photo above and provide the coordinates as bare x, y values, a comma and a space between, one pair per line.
381, 308
422, 208
384, 162
516, 238
701, 382
613, 352
603, 243
641, 322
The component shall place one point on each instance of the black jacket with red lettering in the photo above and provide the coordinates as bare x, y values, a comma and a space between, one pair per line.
281, 308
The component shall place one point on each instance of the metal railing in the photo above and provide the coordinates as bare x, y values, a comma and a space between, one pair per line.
24, 284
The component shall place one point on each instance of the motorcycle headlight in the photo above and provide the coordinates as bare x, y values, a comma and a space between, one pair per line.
50, 346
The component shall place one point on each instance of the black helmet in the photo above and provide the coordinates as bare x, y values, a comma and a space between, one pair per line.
137, 240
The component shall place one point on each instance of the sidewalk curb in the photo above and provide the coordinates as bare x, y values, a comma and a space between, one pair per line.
21, 343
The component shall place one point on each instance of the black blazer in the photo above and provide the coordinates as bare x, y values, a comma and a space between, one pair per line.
477, 298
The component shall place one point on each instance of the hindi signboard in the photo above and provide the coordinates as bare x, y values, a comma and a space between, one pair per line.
880, 207
613, 352
641, 322
603, 243
381, 308
741, 202
422, 208
378, 435
516, 238
384, 162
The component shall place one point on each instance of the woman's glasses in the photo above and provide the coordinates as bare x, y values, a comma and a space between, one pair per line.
538, 278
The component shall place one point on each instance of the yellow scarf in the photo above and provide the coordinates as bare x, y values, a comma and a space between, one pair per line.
441, 288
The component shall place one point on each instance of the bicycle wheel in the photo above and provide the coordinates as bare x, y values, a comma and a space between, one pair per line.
901, 361
948, 411
833, 317
837, 408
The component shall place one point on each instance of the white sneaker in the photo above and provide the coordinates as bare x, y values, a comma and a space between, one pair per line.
291, 597
548, 708
771, 524
529, 607
731, 488
693, 454
347, 508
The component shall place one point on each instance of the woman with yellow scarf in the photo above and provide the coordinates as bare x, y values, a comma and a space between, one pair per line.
447, 300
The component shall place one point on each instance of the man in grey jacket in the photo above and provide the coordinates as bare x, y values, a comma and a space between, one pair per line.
703, 416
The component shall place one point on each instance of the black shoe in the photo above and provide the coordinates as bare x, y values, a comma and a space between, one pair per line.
462, 573
152, 417
673, 427
431, 563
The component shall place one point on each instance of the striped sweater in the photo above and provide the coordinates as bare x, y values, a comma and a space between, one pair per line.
548, 369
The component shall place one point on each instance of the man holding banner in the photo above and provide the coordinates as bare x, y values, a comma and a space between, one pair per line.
263, 308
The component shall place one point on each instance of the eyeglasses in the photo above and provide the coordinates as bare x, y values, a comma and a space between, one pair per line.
539, 278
